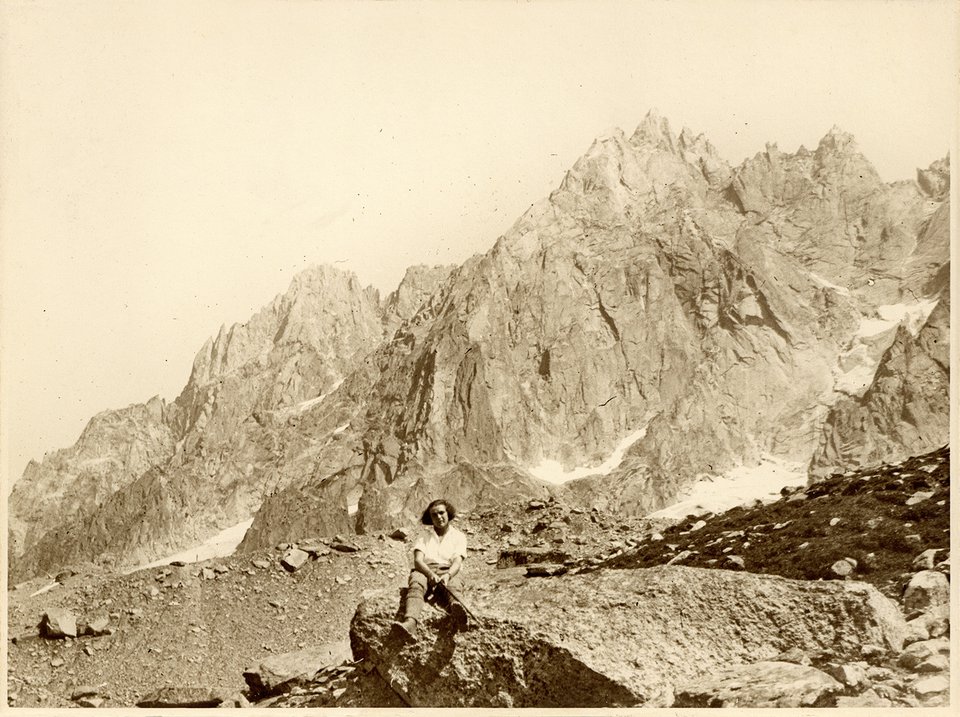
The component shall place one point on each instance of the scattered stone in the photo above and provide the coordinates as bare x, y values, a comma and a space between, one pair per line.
514, 557
834, 521
931, 686
345, 547
221, 569
260, 563
315, 548
851, 675
680, 557
926, 589
919, 497
794, 655
294, 559
58, 623
934, 663
178, 563
916, 631
181, 697
343, 579
842, 568
656, 537
235, 700
280, 673
545, 570
207, 574
925, 561
84, 691
90, 702
761, 684
536, 505
56, 662
698, 525
867, 698
96, 628
913, 538
401, 534
64, 575
916, 653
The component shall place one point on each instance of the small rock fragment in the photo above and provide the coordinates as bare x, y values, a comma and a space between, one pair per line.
294, 559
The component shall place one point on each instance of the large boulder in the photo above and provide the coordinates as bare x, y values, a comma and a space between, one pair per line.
623, 638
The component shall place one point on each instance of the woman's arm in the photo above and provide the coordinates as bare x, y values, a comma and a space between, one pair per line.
454, 569
420, 565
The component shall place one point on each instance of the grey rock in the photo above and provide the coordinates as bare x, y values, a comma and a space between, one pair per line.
919, 497
934, 663
543, 570
931, 686
917, 652
280, 673
842, 568
84, 691
927, 589
609, 633
187, 696
867, 698
294, 559
925, 560
794, 655
917, 631
58, 623
850, 675
761, 684
513, 557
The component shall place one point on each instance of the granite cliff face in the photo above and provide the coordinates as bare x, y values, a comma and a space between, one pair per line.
660, 316
906, 409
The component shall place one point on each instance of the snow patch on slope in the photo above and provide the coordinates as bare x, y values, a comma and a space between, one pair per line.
740, 486
219, 546
857, 366
553, 472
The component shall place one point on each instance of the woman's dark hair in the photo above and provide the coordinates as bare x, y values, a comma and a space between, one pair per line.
451, 511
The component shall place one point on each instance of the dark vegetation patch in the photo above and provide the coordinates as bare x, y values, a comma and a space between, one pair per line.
862, 515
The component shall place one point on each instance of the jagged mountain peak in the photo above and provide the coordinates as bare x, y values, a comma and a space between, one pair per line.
654, 130
935, 179
838, 140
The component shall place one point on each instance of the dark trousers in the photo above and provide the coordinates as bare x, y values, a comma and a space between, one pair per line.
417, 588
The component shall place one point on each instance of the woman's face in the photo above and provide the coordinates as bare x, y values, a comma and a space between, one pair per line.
439, 517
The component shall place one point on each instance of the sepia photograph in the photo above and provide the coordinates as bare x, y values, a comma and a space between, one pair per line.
518, 356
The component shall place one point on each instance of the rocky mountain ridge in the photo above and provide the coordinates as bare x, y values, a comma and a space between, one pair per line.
700, 312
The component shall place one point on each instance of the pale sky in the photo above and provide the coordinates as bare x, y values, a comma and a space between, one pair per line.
167, 167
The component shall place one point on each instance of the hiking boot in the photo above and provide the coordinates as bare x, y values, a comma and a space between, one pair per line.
458, 613
408, 627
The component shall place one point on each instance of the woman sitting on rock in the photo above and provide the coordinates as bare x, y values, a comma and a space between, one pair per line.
437, 558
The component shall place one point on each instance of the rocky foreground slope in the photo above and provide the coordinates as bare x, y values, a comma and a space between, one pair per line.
837, 594
661, 316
